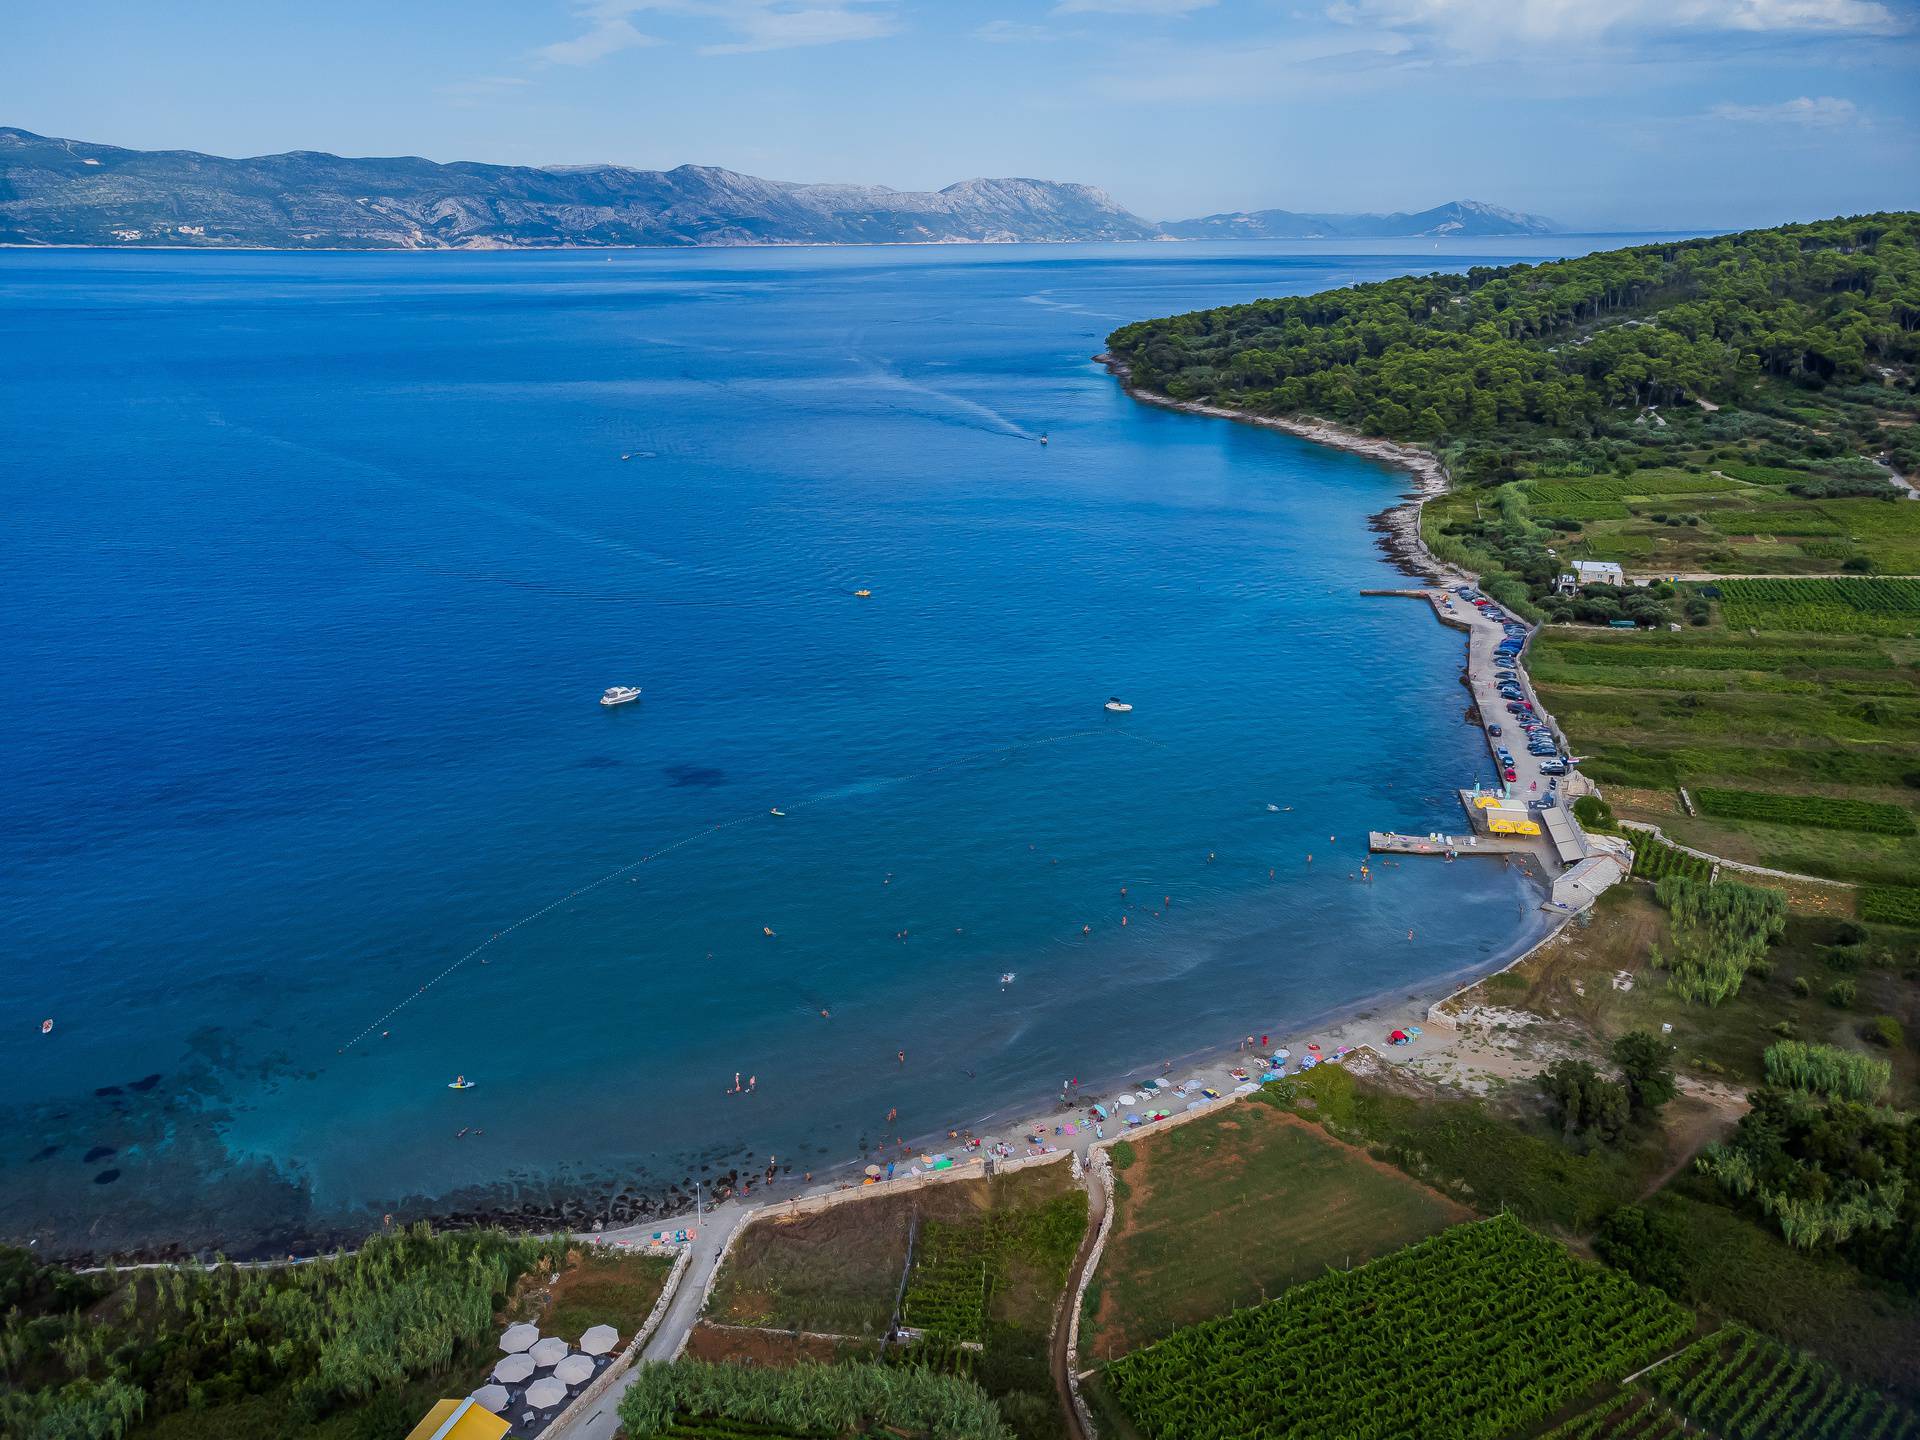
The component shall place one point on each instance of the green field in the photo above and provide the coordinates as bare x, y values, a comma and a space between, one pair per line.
1472, 1334
805, 1402
1654, 859
1832, 607
1817, 812
1828, 723
1230, 1210
1739, 1385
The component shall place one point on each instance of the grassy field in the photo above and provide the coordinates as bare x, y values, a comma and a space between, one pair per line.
838, 1271
1231, 1210
597, 1287
1476, 1154
989, 1259
1727, 518
1829, 724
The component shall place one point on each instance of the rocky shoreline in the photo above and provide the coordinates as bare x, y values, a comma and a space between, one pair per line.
1398, 526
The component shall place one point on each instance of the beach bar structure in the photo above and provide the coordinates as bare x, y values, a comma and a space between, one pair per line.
459, 1420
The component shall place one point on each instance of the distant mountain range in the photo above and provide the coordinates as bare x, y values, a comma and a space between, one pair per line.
1456, 217
72, 192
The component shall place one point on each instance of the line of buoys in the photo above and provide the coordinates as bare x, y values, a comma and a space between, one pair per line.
702, 834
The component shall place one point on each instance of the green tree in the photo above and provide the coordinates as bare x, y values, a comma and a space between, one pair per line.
1646, 1068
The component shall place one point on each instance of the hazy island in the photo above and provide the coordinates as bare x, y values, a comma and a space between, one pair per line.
74, 192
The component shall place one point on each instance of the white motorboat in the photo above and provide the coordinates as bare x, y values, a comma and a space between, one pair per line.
1118, 706
620, 695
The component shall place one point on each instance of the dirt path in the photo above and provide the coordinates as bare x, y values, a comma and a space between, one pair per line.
1096, 1213
1715, 1112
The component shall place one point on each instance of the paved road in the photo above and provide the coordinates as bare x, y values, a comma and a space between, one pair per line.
1096, 1213
682, 1311
1484, 637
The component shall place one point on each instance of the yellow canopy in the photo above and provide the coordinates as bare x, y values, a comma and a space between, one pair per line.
459, 1420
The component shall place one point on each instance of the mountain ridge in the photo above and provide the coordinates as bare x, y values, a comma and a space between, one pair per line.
57, 191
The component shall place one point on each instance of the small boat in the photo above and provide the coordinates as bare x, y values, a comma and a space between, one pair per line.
1118, 706
620, 695
863, 594
460, 1082
1007, 978
778, 811
1043, 437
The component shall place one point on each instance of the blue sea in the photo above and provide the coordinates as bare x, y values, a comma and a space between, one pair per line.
315, 567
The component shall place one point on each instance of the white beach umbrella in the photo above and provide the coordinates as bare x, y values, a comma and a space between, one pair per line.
491, 1397
547, 1393
549, 1352
599, 1340
1126, 1100
513, 1370
519, 1337
574, 1370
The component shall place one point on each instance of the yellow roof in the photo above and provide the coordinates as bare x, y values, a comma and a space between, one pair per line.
459, 1420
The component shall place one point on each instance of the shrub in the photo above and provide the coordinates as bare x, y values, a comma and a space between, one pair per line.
1648, 1247
1594, 813
1827, 1070
1718, 931
1840, 994
1884, 1030
1802, 986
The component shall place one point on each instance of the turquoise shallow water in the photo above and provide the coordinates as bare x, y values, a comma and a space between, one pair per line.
316, 565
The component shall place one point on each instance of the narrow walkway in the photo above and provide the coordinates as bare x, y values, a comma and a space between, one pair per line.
675, 1325
1096, 1212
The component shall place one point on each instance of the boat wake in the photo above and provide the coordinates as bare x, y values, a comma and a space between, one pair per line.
983, 417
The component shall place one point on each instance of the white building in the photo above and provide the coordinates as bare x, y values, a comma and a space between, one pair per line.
1592, 572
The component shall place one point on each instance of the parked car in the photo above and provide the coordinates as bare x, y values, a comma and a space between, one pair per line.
1508, 772
1494, 730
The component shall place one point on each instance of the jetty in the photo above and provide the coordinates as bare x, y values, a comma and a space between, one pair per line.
1522, 815
1386, 842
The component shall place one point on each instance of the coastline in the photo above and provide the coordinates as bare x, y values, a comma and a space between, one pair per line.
1398, 525
615, 1205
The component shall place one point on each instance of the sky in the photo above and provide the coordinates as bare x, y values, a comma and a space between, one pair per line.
1603, 114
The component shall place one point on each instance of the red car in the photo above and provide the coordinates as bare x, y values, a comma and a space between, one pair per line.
1511, 776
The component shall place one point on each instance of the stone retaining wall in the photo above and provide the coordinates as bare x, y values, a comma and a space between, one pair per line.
1721, 860
605, 1379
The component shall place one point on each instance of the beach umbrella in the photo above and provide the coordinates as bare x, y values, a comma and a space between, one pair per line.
599, 1340
574, 1370
545, 1394
519, 1337
513, 1370
549, 1352
1127, 1100
491, 1397
874, 1171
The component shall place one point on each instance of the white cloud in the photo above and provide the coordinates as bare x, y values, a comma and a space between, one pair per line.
470, 93
609, 31
1814, 113
769, 25
1011, 32
1130, 7
1473, 23
1259, 68
751, 25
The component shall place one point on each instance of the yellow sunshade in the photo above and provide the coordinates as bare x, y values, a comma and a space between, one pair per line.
459, 1420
